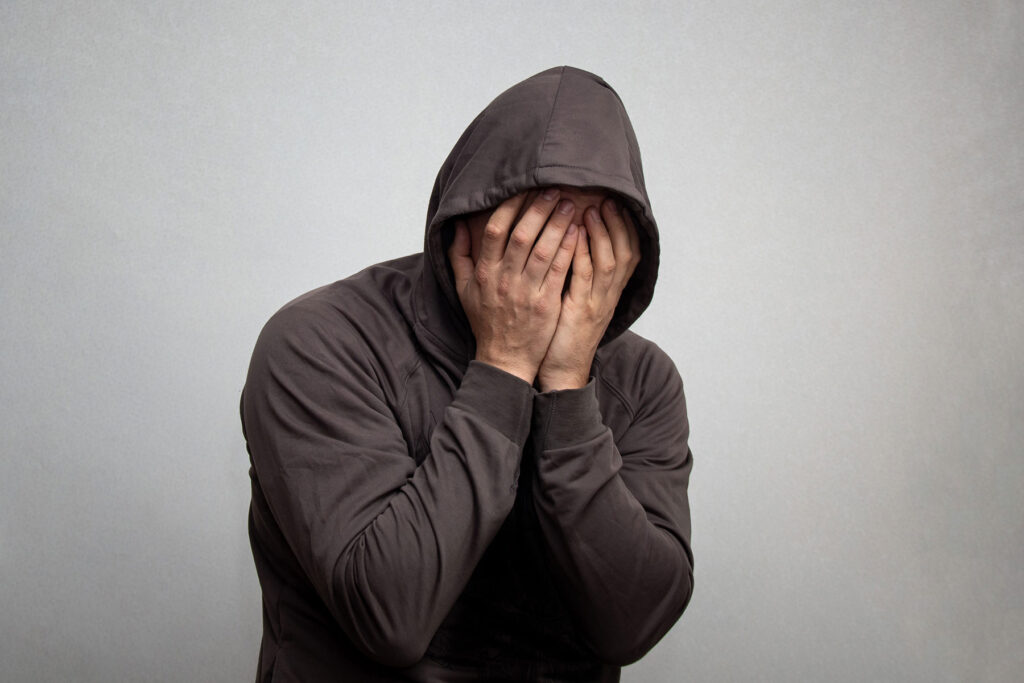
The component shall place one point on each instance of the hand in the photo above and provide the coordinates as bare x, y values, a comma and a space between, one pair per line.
606, 255
512, 294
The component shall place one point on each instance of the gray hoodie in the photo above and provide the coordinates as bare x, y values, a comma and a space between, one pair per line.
418, 515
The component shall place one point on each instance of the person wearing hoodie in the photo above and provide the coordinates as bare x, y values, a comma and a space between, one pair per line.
464, 466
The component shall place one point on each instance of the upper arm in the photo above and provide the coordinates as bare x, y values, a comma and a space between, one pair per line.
387, 544
656, 457
326, 448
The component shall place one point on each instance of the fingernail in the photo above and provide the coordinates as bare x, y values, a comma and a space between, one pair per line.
613, 206
565, 206
594, 215
571, 230
550, 194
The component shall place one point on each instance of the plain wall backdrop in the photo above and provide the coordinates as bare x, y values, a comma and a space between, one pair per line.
840, 188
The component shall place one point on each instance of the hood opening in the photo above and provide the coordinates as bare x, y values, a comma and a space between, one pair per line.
563, 126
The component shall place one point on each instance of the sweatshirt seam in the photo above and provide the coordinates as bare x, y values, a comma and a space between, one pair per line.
621, 396
440, 343
403, 404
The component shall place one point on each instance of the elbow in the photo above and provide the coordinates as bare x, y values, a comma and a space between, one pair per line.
393, 642
379, 621
398, 650
623, 649
387, 637
631, 639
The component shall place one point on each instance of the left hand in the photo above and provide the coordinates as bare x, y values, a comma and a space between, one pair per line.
606, 255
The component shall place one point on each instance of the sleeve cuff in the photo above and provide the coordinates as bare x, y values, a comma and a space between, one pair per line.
501, 398
566, 417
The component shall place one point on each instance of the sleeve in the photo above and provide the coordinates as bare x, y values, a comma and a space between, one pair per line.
615, 516
388, 546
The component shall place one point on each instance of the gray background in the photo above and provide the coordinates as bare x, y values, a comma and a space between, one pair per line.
841, 191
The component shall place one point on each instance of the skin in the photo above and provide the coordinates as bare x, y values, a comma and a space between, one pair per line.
510, 270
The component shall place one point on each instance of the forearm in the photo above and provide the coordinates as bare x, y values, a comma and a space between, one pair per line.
626, 578
403, 573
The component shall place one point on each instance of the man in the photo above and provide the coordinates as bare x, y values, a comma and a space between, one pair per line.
464, 466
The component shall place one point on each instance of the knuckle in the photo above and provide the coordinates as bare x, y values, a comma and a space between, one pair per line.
481, 274
542, 254
493, 231
504, 285
608, 269
519, 240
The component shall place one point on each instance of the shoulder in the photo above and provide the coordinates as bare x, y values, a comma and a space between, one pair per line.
375, 286
374, 293
342, 322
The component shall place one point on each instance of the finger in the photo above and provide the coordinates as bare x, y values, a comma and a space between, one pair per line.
492, 247
521, 241
602, 254
528, 198
460, 255
546, 247
622, 246
617, 230
555, 277
582, 268
634, 241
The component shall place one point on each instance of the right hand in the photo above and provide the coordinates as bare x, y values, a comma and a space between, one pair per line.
512, 294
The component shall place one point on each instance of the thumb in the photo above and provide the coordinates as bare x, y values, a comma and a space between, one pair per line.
460, 255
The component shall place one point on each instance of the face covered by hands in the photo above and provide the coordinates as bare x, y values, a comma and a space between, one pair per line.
512, 284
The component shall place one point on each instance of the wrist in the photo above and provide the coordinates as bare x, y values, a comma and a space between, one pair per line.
563, 381
521, 370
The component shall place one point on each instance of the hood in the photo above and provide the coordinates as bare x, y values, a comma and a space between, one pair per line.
563, 126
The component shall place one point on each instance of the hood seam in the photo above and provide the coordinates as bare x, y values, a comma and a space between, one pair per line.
547, 126
538, 167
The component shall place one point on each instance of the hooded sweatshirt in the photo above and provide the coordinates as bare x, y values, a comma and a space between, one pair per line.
418, 515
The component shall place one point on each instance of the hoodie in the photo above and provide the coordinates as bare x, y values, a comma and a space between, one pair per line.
418, 515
